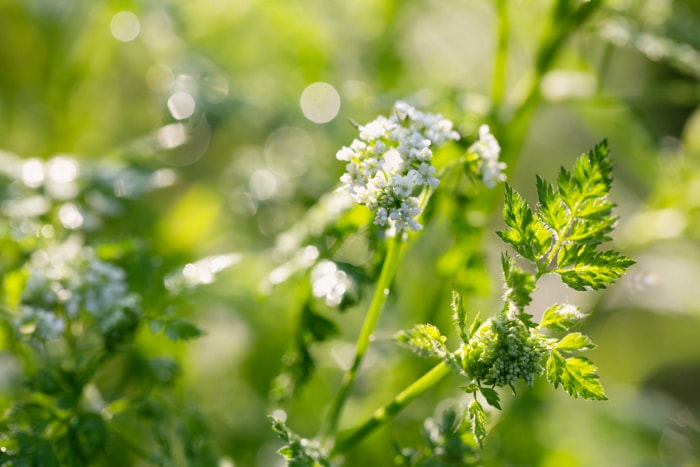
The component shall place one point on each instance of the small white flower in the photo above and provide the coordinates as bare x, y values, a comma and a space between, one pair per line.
422, 154
411, 207
358, 146
402, 186
488, 150
492, 173
426, 175
381, 217
488, 145
345, 154
404, 110
369, 167
377, 129
393, 163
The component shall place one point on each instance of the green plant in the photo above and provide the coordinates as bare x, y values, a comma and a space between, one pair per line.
562, 236
154, 133
90, 318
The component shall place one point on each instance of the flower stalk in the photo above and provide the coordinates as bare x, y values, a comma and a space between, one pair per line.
381, 292
384, 414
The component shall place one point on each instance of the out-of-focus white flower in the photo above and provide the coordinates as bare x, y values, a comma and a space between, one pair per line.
68, 276
390, 164
42, 323
329, 282
488, 151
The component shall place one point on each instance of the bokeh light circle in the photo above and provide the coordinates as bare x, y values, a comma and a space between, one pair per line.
125, 26
320, 102
181, 105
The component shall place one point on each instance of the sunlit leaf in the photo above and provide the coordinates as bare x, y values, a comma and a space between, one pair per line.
574, 341
577, 375
581, 267
561, 317
519, 219
424, 339
478, 419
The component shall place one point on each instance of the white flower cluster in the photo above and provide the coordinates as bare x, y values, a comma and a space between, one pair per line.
488, 150
67, 279
391, 163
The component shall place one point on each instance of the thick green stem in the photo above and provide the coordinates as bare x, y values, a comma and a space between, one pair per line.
381, 292
382, 415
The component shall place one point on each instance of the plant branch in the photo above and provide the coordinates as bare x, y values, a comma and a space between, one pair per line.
382, 415
381, 292
499, 69
563, 23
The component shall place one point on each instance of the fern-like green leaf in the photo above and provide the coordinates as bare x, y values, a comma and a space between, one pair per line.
424, 339
478, 419
573, 342
459, 315
561, 317
577, 375
298, 451
582, 266
519, 219
491, 396
529, 236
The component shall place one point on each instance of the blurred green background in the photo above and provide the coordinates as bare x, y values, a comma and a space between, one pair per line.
247, 102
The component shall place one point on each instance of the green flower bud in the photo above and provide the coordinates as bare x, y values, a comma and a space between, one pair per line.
502, 351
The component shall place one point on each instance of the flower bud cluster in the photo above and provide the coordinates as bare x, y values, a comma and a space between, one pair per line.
391, 162
502, 351
67, 279
488, 150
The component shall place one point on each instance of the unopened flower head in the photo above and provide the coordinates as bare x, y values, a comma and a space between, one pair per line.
503, 351
488, 150
391, 163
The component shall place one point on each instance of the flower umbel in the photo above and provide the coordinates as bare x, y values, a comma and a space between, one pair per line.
390, 164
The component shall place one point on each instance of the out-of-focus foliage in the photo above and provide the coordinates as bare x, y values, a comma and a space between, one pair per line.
140, 137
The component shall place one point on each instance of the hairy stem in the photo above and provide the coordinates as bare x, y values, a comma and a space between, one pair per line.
381, 292
382, 415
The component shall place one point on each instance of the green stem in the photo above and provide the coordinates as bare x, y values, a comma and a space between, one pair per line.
563, 23
381, 292
499, 68
382, 415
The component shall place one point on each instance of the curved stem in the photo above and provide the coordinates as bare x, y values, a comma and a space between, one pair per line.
381, 292
382, 415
